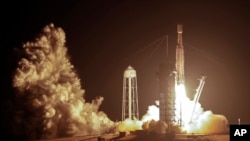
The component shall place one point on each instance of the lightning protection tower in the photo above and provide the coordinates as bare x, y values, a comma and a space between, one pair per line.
130, 95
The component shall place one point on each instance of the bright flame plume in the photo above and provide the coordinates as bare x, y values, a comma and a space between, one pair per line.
193, 118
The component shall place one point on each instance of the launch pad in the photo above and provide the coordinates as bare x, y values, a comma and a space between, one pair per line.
143, 135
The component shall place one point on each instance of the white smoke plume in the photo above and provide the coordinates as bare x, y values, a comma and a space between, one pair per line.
209, 123
150, 121
49, 93
152, 114
194, 118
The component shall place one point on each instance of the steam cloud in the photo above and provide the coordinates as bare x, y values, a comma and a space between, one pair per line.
209, 123
49, 94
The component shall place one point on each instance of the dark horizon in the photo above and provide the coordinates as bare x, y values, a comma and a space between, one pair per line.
103, 39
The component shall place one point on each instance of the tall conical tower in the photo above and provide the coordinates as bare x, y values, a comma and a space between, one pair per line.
130, 95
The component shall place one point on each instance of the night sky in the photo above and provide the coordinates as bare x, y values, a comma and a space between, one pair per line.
104, 38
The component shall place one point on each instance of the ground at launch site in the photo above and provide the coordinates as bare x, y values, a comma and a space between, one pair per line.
146, 137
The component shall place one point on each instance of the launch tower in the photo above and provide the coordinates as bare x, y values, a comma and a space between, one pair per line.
167, 93
169, 78
130, 95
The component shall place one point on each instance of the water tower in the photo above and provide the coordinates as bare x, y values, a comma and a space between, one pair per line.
130, 95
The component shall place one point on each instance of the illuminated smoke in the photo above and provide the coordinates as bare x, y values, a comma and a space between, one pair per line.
202, 121
152, 113
209, 123
150, 121
130, 125
49, 92
158, 126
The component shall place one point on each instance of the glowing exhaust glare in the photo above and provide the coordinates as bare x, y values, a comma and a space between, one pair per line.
182, 104
201, 122
204, 122
185, 107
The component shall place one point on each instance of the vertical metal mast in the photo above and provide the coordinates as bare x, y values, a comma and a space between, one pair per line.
130, 95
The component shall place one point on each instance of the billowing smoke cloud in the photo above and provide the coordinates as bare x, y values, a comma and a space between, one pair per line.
195, 119
152, 114
209, 123
130, 125
49, 94
150, 121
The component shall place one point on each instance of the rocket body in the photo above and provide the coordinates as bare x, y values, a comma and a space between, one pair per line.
179, 64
